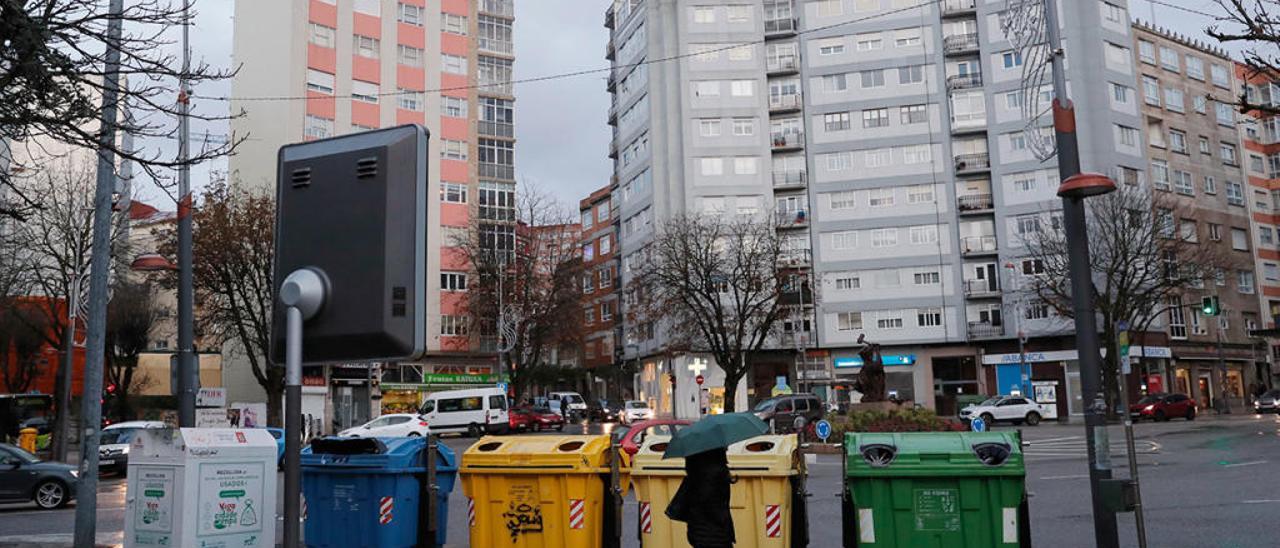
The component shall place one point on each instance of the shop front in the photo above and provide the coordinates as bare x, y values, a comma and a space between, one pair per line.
1208, 381
1053, 377
405, 386
904, 377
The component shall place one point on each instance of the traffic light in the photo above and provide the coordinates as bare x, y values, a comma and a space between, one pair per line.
1209, 306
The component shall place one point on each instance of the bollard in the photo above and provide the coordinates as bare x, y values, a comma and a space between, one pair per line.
27, 439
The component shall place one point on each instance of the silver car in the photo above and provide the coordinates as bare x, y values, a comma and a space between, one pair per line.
1268, 402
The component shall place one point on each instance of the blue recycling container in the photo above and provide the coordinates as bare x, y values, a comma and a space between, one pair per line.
366, 491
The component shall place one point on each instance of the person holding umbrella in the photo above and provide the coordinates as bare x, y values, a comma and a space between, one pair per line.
702, 500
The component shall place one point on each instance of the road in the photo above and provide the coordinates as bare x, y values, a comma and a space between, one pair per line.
1204, 483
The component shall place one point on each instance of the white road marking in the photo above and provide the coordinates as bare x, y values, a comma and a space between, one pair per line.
1260, 501
1250, 463
1068, 438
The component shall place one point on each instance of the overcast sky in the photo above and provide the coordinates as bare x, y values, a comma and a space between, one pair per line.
561, 127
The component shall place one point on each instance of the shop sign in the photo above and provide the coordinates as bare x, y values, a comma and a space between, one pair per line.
887, 359
451, 378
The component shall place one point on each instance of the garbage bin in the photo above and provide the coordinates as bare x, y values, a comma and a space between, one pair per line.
534, 491
767, 500
951, 489
368, 491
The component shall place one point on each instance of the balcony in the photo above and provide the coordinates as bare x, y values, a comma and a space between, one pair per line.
960, 44
781, 142
502, 8
795, 258
782, 26
973, 204
790, 179
495, 85
782, 64
784, 103
985, 330
975, 246
496, 129
609, 51
611, 84
492, 45
797, 218
980, 289
498, 171
608, 18
954, 8
964, 81
978, 162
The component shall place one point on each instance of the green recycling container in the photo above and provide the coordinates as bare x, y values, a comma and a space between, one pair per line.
934, 490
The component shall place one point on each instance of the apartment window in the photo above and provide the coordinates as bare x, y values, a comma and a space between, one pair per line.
1215, 232
453, 193
606, 278
927, 278
835, 82
1012, 59
1169, 58
1160, 174
1183, 183
741, 53
884, 237
847, 282
1239, 239
1028, 225
1226, 116
409, 14
846, 199
1114, 13
881, 157
929, 317
844, 240
704, 14
881, 197
1126, 135
1210, 185
453, 325
913, 114
742, 88
829, 8
890, 319
1146, 52
1257, 164
408, 99
1266, 236
453, 150
364, 91
319, 81
849, 321
1024, 182
1227, 152
1187, 230
1178, 141
1235, 193
917, 154
1119, 93
744, 126
746, 166
1204, 146
369, 7
1174, 100
453, 24
1151, 90
1195, 67
588, 251
712, 166
605, 246
1164, 222
1271, 272
839, 161
365, 46
606, 312
707, 88
322, 36
1220, 76
1036, 311
709, 127
739, 14
920, 194
1032, 267
1200, 103
1245, 281
904, 38
453, 281
921, 235
836, 121
831, 49
910, 75
876, 117
408, 56
869, 42
317, 127
453, 64
872, 78
453, 107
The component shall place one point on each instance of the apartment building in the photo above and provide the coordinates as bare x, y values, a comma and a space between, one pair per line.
1195, 156
897, 163
1260, 142
365, 64
600, 311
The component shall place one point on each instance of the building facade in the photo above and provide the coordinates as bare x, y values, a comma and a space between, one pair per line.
1260, 142
600, 308
365, 64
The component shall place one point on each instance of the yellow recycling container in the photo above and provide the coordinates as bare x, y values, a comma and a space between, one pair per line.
27, 439
767, 500
535, 491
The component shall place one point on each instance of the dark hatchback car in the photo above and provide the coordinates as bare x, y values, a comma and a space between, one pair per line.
23, 477
784, 413
1162, 407
604, 410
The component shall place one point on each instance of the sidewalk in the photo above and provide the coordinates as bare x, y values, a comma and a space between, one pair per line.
104, 540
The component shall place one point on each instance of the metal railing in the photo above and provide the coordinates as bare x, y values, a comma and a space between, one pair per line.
977, 161
782, 63
957, 7
502, 47
964, 81
974, 288
787, 140
960, 43
496, 129
784, 102
795, 257
975, 202
978, 244
984, 330
791, 218
780, 25
497, 7
790, 177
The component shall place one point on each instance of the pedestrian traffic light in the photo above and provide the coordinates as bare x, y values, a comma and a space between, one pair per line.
1209, 306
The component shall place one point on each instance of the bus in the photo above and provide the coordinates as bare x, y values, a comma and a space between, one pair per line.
20, 410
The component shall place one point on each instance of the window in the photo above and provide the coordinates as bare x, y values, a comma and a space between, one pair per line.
869, 42
588, 251
746, 166
1126, 135
712, 166
364, 91
1266, 236
1195, 67
1235, 193
917, 154
453, 24
876, 117
929, 317
453, 193
878, 158
1210, 185
884, 237
453, 64
836, 121
606, 278
1160, 174
881, 197
1028, 225
741, 53
829, 8
1226, 116
1120, 94
706, 88
1032, 267
1220, 76
1244, 281
1239, 239
743, 88
1271, 272
1227, 152
921, 235
832, 48
889, 319
835, 82
408, 99
1204, 146
1151, 90
321, 35
1169, 58
872, 78
1183, 183
453, 150
839, 161
1178, 141
409, 14
1036, 311
605, 246
709, 127
849, 321
408, 56
744, 126
920, 194
365, 46
1187, 230
906, 38
606, 312
1024, 182
1114, 13
913, 114
1200, 103
453, 325
1215, 232
1174, 100
704, 14
842, 200
1164, 222
844, 240
453, 281
739, 14
911, 75
927, 278
1012, 59
1146, 52
453, 107
319, 81
317, 127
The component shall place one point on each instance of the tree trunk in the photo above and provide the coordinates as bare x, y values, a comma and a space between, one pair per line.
62, 415
1110, 368
275, 404
731, 380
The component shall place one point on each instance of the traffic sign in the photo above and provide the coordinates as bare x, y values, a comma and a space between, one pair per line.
823, 430
502, 386
978, 425
699, 380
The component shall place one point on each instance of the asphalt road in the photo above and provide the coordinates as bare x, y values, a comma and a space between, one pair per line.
1208, 483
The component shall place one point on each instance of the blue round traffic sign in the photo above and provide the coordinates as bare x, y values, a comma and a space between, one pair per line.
822, 429
978, 425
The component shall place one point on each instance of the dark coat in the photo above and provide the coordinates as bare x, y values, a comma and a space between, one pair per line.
702, 501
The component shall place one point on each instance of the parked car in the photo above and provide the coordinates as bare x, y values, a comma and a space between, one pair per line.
1011, 409
521, 419
630, 437
1268, 402
543, 418
604, 410
635, 411
786, 413
474, 411
577, 406
389, 426
23, 477
1162, 407
113, 445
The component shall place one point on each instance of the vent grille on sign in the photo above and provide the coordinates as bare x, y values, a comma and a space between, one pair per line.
366, 168
300, 177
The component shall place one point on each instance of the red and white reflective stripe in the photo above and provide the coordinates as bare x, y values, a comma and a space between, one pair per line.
384, 510
304, 508
646, 520
772, 521
471, 512
577, 513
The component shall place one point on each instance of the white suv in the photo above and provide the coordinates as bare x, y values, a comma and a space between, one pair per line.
1014, 409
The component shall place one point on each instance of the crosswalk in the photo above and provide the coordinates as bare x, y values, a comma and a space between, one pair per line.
1074, 446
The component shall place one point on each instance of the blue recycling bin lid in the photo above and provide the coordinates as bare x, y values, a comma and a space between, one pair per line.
385, 455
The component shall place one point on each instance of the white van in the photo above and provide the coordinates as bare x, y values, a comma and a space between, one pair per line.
577, 406
474, 411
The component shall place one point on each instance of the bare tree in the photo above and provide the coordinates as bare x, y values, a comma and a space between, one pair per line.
526, 292
233, 257
714, 282
131, 315
1253, 25
52, 69
1142, 265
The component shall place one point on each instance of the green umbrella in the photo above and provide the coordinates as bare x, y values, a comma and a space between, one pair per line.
714, 432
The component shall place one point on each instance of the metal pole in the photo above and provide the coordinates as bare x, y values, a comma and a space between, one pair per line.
188, 368
1133, 456
302, 293
1105, 531
62, 439
1222, 375
100, 266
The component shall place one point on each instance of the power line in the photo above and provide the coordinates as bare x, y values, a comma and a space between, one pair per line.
1182, 8
573, 74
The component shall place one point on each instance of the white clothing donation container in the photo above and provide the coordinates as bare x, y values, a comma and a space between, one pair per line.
201, 487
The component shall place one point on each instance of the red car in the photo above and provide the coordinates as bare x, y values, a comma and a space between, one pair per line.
631, 437
1162, 407
520, 419
535, 419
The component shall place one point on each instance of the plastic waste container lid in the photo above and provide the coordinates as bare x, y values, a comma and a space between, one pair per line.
538, 454
386, 454
769, 455
922, 454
